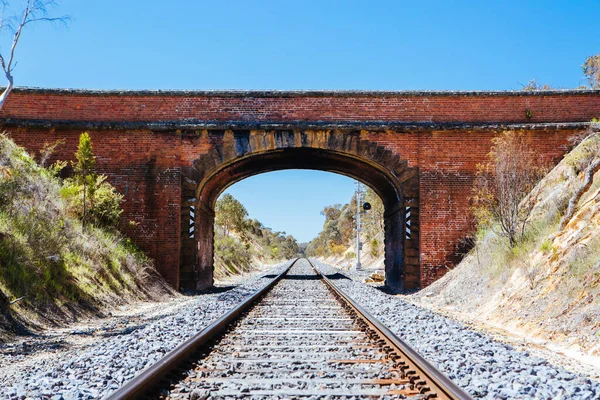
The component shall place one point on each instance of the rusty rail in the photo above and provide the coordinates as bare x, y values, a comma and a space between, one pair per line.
152, 376
432, 383
428, 378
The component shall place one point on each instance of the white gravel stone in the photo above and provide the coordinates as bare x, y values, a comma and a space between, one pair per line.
485, 368
116, 358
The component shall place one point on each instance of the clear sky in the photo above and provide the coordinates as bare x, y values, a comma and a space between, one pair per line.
379, 45
292, 200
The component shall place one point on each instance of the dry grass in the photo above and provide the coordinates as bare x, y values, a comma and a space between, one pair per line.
61, 271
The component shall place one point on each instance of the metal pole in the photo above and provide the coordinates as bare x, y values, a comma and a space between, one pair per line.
358, 193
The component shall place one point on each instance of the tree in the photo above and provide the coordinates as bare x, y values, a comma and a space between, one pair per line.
90, 197
505, 192
83, 167
374, 224
533, 84
86, 160
32, 12
332, 212
230, 214
591, 70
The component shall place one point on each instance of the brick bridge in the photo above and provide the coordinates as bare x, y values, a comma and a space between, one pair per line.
172, 153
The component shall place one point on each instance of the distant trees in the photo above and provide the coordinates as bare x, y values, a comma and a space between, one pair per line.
533, 84
591, 70
332, 212
339, 228
505, 192
240, 240
331, 240
230, 214
373, 223
33, 11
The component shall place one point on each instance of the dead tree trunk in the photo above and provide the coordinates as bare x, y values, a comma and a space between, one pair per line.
587, 182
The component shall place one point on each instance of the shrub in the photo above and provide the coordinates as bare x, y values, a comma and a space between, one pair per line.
43, 254
231, 253
375, 247
103, 206
546, 246
337, 249
505, 193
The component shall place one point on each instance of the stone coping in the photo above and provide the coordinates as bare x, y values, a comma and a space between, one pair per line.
306, 93
347, 125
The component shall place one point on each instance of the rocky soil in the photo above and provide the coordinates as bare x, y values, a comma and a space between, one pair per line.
86, 362
484, 367
90, 361
547, 287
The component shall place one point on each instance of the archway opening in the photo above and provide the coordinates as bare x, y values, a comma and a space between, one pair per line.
279, 215
197, 253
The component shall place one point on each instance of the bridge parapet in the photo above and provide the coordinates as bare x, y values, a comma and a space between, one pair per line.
319, 107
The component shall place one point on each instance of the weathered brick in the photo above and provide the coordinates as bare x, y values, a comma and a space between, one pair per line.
432, 142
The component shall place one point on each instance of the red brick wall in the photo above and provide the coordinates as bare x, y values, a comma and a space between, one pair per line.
311, 106
145, 165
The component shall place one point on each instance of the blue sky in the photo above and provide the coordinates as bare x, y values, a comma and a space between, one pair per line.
379, 45
291, 200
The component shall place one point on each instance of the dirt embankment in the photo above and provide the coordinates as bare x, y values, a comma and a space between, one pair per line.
546, 288
53, 270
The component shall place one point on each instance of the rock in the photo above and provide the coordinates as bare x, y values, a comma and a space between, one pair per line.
485, 368
198, 394
121, 348
376, 277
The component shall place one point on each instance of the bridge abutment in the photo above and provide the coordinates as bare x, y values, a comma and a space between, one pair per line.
394, 233
204, 266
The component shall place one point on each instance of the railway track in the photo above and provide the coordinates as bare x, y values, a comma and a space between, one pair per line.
300, 337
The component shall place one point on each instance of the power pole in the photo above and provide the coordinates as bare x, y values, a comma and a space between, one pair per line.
358, 244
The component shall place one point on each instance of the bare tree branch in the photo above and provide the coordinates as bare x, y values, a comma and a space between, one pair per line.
35, 11
505, 191
590, 171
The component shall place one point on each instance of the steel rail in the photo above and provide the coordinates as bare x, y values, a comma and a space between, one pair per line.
151, 376
436, 381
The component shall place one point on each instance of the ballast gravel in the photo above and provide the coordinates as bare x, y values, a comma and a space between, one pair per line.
292, 345
483, 367
104, 366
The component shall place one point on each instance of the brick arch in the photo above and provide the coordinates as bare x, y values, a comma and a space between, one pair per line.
241, 154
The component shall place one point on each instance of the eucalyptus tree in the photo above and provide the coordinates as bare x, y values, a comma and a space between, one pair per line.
14, 18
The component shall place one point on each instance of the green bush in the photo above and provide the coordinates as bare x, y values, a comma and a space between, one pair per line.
103, 203
375, 247
240, 241
45, 255
339, 228
232, 254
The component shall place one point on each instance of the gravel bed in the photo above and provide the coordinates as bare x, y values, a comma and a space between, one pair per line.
290, 346
113, 359
483, 367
